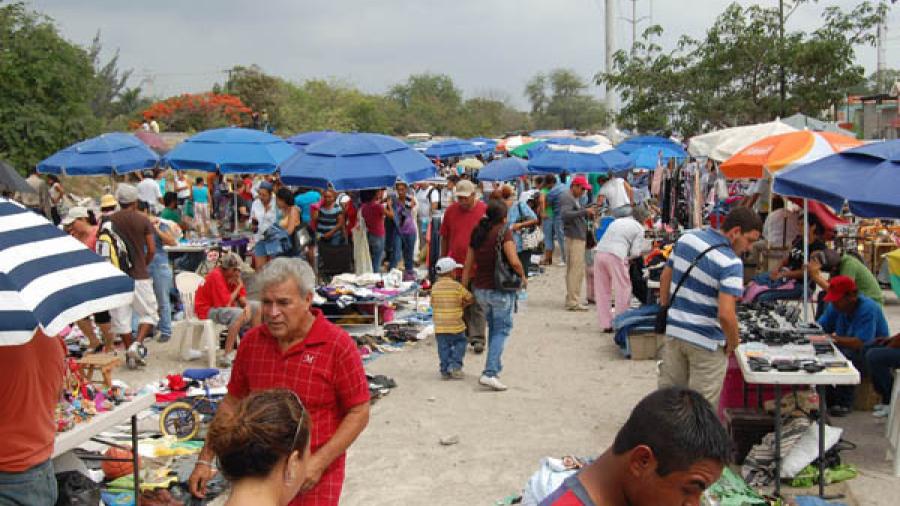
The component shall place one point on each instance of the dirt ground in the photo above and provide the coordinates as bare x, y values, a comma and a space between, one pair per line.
569, 392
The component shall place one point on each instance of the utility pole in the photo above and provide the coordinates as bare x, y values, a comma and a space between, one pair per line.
880, 57
611, 105
634, 20
781, 90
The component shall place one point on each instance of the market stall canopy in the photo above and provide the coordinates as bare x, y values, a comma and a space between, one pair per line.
510, 143
522, 150
634, 143
866, 177
451, 148
356, 161
784, 151
801, 121
723, 144
230, 151
486, 144
651, 157
49, 279
550, 134
505, 169
104, 155
599, 139
579, 159
153, 140
471, 163
532, 149
11, 181
301, 140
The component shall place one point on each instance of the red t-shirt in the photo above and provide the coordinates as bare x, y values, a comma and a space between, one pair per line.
247, 194
32, 380
324, 369
214, 292
373, 213
457, 226
570, 493
486, 259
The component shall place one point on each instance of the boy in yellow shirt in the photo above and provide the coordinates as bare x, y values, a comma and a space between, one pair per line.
448, 299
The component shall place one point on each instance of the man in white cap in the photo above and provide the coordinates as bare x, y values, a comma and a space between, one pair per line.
137, 232
457, 225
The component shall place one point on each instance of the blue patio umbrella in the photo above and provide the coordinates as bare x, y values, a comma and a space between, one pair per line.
639, 141
559, 141
356, 161
231, 151
866, 177
301, 140
579, 160
104, 155
49, 279
648, 157
486, 144
451, 148
505, 169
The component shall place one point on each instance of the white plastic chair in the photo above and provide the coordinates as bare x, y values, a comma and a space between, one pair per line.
892, 431
188, 330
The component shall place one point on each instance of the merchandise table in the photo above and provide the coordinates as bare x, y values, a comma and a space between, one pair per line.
845, 375
87, 431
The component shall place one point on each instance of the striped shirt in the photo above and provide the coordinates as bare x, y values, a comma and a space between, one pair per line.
448, 299
693, 316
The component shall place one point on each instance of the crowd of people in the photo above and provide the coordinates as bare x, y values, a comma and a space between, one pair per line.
298, 396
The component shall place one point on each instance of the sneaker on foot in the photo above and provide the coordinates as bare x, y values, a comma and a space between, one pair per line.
445, 376
163, 338
881, 411
560, 264
456, 374
478, 347
492, 382
193, 354
578, 307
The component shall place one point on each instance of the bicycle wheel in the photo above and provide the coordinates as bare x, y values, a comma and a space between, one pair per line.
179, 419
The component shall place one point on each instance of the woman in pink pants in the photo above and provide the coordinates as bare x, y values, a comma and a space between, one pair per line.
623, 239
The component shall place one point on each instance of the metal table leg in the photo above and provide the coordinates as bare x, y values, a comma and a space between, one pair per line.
135, 461
777, 440
821, 392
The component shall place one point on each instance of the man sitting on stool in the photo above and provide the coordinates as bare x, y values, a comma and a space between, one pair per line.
855, 322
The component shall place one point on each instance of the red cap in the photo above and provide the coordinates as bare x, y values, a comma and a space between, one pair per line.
581, 181
839, 286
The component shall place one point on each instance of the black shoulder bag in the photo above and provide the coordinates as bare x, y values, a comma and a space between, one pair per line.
505, 278
663, 314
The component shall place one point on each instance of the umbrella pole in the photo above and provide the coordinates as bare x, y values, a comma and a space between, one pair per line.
805, 259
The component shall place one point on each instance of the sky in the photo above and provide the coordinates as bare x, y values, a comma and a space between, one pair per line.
488, 47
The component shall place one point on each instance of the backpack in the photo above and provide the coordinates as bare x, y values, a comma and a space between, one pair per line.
113, 247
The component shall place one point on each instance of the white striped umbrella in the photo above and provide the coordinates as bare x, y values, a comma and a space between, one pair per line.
49, 279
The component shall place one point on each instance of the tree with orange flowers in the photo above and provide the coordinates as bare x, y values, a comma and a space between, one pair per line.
201, 111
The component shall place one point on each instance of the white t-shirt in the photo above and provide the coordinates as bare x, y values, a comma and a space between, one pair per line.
781, 228
623, 238
614, 192
265, 218
148, 191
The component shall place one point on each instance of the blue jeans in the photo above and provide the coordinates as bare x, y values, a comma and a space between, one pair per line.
559, 236
451, 350
376, 250
882, 362
32, 486
498, 308
161, 273
404, 244
434, 247
547, 226
843, 395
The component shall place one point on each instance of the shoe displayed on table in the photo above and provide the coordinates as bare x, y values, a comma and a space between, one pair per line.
881, 411
492, 382
456, 374
478, 347
838, 411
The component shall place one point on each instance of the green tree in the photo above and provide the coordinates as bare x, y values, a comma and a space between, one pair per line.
487, 116
736, 74
46, 88
427, 103
260, 91
109, 80
560, 100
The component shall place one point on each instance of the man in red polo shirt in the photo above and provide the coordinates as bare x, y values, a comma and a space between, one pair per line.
457, 225
670, 450
298, 349
222, 298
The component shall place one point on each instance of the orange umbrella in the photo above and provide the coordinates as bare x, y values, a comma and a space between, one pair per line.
784, 151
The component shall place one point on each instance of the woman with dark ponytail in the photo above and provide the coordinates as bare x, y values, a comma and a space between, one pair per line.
498, 305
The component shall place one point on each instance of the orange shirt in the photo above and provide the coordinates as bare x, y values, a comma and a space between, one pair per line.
33, 375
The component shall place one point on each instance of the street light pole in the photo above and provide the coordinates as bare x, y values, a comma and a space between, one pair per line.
781, 90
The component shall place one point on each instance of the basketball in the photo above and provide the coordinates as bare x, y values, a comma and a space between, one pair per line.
113, 469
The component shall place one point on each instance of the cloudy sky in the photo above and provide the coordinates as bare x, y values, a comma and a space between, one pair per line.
487, 46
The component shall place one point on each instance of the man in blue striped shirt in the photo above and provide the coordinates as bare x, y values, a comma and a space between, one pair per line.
702, 328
